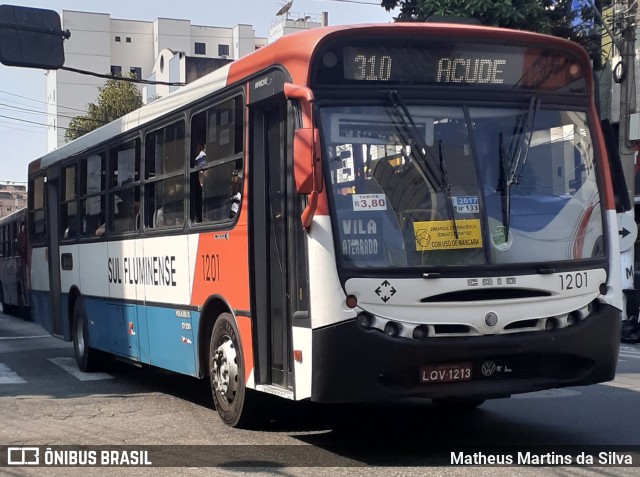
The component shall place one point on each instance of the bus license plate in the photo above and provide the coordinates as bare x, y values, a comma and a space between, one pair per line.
445, 373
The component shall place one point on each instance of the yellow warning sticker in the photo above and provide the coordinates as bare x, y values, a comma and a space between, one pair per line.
439, 235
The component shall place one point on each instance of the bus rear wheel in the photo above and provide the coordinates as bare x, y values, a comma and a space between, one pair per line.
86, 357
226, 372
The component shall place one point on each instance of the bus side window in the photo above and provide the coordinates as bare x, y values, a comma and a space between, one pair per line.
124, 201
92, 199
217, 137
164, 175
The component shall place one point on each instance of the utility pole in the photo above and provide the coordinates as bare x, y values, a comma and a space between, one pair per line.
624, 73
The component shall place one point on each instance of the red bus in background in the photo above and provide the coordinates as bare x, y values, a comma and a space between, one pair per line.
14, 264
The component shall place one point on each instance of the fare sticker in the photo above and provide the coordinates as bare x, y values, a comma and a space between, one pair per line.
367, 202
440, 235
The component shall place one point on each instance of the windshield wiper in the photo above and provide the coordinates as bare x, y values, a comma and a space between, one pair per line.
419, 145
447, 189
511, 171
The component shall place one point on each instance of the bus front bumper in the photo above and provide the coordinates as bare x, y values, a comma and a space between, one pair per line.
351, 364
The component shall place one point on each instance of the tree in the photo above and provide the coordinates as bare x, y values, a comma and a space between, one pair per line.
115, 99
570, 19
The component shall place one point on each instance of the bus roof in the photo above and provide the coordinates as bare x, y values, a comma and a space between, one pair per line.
13, 216
294, 53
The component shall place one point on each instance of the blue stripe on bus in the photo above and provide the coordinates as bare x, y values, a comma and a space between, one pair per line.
41, 310
148, 334
152, 335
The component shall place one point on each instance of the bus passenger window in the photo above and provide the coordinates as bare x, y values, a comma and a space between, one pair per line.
164, 190
216, 164
92, 198
165, 201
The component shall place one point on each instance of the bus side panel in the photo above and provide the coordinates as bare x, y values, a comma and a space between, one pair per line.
41, 311
170, 340
328, 297
97, 317
8, 278
165, 285
94, 270
69, 277
220, 267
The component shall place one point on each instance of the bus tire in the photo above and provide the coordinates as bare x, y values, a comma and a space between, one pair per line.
86, 357
226, 373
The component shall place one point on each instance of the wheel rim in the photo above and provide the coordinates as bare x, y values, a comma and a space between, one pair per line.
225, 370
80, 335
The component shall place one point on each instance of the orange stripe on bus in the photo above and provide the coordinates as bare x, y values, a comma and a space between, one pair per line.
244, 328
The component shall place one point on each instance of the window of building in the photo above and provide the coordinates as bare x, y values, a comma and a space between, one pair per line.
216, 176
200, 48
116, 70
136, 72
164, 166
118, 39
223, 50
128, 39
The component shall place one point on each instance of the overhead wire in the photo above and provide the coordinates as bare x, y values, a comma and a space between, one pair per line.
39, 101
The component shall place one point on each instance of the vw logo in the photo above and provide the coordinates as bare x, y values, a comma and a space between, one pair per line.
488, 368
491, 319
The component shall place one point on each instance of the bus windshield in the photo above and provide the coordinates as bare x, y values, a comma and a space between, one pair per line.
417, 185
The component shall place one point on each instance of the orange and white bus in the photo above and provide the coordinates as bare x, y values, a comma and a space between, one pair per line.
349, 214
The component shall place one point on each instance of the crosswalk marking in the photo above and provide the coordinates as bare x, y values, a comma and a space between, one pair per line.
24, 337
7, 376
70, 366
629, 352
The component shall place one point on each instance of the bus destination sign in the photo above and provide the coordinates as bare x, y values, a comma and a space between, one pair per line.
452, 64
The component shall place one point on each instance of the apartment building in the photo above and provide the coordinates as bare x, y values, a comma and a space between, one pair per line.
106, 45
12, 197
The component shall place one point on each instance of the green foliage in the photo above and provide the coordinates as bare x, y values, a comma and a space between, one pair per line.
116, 98
545, 16
569, 19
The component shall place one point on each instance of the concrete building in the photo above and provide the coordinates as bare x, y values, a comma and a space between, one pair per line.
176, 66
105, 45
12, 197
292, 22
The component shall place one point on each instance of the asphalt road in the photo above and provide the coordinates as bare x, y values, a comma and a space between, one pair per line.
46, 401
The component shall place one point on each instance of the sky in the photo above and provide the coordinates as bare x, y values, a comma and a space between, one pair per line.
22, 142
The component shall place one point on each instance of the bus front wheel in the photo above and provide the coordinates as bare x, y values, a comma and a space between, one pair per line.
86, 357
226, 372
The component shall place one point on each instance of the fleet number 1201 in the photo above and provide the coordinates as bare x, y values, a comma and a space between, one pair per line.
569, 281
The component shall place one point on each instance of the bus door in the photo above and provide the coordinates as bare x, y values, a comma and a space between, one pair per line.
279, 283
53, 249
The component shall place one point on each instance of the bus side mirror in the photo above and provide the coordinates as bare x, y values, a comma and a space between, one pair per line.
306, 165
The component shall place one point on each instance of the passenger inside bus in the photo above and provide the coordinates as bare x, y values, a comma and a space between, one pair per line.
169, 203
222, 191
197, 179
